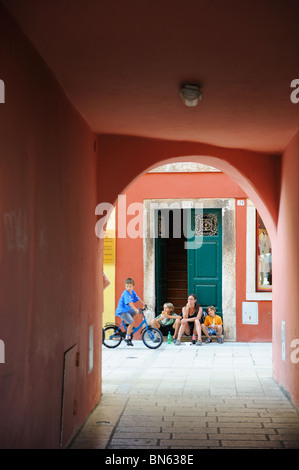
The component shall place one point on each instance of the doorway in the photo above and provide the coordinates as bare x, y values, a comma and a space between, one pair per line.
188, 258
156, 251
171, 276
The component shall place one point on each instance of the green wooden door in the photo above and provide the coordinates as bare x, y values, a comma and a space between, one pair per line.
205, 257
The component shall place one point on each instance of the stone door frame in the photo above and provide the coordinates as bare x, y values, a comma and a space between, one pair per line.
227, 206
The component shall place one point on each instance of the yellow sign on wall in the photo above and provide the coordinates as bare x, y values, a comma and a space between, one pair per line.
109, 247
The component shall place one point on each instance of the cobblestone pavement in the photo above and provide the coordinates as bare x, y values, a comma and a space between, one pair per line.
188, 397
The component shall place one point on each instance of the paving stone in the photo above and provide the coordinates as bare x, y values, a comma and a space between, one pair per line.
240, 425
192, 412
189, 436
142, 427
186, 398
186, 427
136, 419
233, 413
189, 444
245, 430
252, 444
190, 420
239, 436
136, 435
144, 414
189, 429
290, 444
290, 432
240, 419
135, 441
281, 426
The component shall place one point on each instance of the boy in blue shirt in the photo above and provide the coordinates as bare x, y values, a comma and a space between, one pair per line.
126, 308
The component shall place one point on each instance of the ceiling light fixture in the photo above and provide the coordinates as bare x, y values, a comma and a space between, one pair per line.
191, 95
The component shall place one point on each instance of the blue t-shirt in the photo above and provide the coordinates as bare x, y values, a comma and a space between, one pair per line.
126, 298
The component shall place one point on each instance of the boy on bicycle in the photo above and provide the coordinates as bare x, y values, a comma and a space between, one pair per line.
126, 308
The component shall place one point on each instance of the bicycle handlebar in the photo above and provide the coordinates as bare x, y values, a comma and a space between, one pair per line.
141, 310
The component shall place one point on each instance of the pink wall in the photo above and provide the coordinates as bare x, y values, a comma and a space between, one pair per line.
129, 252
286, 272
135, 156
50, 258
50, 277
254, 333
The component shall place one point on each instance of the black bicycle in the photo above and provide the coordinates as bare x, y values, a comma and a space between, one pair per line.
114, 334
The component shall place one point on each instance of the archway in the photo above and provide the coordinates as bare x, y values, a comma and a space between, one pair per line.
247, 169
230, 288
131, 354
256, 173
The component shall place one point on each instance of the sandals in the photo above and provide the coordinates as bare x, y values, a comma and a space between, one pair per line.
208, 340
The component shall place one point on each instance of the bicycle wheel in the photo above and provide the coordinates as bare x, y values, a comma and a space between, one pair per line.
111, 336
152, 338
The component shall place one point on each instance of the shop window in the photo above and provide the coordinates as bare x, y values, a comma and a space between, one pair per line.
263, 257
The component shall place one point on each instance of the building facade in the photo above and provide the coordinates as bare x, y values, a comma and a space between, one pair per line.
225, 269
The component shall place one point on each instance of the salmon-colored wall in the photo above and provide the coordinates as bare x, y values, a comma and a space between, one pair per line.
286, 276
134, 156
129, 252
254, 333
184, 185
51, 287
50, 277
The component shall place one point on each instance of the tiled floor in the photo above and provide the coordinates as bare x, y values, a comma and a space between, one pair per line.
189, 397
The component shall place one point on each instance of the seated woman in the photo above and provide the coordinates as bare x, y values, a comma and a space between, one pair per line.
166, 318
192, 313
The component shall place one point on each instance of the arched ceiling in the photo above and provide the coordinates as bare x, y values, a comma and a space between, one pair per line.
121, 64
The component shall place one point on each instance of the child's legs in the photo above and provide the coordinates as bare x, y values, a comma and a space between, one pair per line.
155, 323
212, 332
176, 327
181, 331
127, 317
219, 330
130, 328
205, 330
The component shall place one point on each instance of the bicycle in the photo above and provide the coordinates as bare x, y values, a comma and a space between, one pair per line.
114, 334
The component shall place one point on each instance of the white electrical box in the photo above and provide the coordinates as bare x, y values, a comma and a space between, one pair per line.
250, 313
